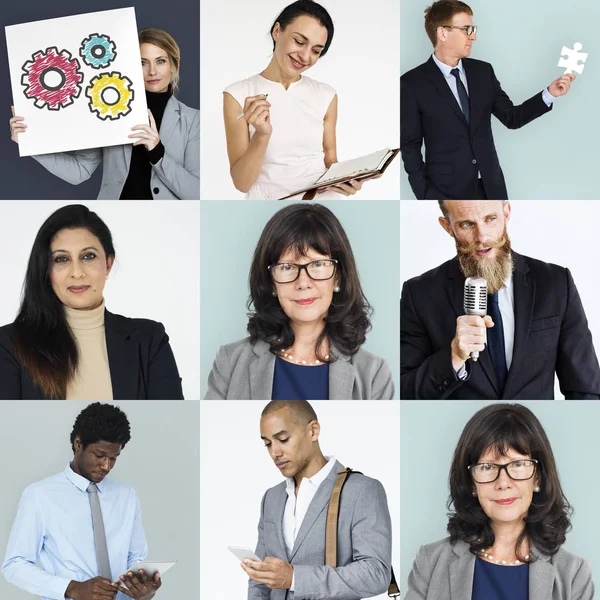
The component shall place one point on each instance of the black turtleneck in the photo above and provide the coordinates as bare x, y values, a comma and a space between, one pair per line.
137, 185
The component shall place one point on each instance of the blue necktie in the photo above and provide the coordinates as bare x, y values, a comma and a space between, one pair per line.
462, 93
495, 341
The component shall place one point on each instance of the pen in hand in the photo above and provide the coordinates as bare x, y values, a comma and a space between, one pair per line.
240, 116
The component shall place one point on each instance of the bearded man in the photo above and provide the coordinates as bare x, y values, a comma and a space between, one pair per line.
535, 327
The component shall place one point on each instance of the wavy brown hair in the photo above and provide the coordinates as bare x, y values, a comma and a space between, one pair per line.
500, 427
300, 227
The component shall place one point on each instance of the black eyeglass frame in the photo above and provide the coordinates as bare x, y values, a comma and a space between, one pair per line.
505, 466
465, 28
305, 267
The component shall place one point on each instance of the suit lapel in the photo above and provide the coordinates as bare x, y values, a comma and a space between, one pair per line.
456, 292
461, 571
341, 379
169, 121
316, 507
262, 370
524, 292
279, 511
473, 90
541, 579
439, 81
123, 359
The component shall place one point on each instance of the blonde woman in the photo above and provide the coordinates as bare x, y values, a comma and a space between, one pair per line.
164, 161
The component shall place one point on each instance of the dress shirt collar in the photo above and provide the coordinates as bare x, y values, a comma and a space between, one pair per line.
316, 480
81, 482
446, 69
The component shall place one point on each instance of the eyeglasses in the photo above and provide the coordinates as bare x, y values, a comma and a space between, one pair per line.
319, 270
519, 470
468, 29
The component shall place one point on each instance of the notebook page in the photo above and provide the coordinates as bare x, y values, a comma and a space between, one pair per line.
355, 166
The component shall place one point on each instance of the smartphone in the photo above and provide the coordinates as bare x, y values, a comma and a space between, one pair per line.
243, 553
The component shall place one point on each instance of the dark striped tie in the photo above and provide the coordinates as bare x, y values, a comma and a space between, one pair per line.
462, 93
495, 341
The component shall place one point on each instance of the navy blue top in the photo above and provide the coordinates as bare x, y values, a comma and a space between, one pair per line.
498, 582
298, 382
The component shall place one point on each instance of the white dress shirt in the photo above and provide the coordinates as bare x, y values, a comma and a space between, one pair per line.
297, 505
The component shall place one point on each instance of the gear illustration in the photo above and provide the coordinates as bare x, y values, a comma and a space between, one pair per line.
111, 95
98, 51
52, 78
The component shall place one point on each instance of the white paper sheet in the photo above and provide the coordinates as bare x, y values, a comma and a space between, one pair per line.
76, 90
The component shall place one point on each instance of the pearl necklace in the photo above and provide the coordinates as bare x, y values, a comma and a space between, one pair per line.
486, 554
290, 358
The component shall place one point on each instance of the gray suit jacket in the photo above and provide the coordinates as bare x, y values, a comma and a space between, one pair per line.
442, 571
243, 371
364, 551
176, 176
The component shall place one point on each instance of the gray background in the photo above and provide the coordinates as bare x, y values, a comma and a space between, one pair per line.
161, 462
555, 156
24, 178
429, 432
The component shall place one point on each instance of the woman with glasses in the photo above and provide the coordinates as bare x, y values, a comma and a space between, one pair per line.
508, 522
308, 322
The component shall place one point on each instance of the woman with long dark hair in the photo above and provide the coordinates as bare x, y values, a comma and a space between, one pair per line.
509, 519
163, 162
64, 344
309, 318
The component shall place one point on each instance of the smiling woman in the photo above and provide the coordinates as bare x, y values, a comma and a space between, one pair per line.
308, 321
64, 344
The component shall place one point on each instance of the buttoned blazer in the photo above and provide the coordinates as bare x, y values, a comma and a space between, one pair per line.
443, 571
176, 176
456, 150
141, 362
364, 547
551, 336
244, 371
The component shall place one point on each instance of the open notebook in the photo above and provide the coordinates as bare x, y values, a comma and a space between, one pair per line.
363, 167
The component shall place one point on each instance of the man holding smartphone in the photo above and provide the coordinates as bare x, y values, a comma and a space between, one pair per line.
291, 530
84, 529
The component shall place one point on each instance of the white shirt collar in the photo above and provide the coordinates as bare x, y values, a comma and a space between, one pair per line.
446, 69
317, 479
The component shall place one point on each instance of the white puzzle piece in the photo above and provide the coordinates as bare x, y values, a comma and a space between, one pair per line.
571, 62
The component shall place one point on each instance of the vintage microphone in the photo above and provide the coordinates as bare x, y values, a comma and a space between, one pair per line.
475, 301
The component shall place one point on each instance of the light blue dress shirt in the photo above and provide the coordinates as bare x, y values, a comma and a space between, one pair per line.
54, 526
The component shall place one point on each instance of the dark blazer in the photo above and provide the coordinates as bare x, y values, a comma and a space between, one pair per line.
456, 150
551, 335
141, 362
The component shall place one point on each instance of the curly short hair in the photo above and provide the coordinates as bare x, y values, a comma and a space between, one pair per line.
441, 13
101, 422
500, 427
300, 227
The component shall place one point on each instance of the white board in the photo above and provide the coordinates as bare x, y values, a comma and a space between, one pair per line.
77, 81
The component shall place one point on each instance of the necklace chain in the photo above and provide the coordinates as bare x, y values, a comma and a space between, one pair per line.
487, 554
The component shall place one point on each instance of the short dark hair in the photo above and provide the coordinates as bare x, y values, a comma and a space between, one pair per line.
299, 227
499, 427
311, 9
101, 423
43, 341
302, 411
441, 13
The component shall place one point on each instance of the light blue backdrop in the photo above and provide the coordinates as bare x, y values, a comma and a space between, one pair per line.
229, 232
555, 156
429, 433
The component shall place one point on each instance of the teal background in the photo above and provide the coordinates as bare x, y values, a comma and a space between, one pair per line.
229, 232
555, 156
429, 433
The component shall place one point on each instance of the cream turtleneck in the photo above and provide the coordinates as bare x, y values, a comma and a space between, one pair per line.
92, 380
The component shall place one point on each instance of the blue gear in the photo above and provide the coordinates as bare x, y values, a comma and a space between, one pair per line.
98, 51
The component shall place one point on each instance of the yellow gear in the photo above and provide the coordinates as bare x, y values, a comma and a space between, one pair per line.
121, 84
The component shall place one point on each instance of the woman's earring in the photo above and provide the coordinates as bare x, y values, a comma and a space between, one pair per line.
474, 493
537, 488
274, 293
336, 288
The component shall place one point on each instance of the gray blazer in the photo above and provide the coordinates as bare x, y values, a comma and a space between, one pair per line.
243, 371
364, 551
176, 176
443, 571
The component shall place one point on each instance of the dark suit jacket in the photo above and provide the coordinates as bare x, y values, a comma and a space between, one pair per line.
141, 362
551, 335
456, 150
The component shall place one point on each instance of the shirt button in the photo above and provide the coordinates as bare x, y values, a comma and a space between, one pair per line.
446, 382
474, 161
156, 190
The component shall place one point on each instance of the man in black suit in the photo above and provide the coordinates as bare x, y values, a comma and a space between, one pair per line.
536, 325
448, 102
